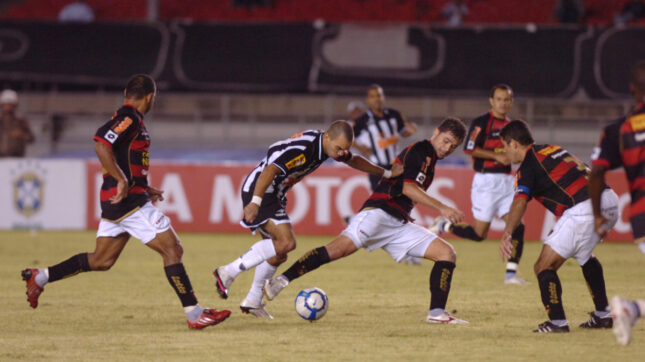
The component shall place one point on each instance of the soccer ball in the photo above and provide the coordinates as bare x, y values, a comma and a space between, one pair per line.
312, 303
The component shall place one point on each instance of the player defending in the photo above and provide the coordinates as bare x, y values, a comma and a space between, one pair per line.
622, 144
384, 222
126, 208
492, 189
558, 180
264, 199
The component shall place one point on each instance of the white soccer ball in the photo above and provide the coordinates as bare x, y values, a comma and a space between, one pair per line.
312, 303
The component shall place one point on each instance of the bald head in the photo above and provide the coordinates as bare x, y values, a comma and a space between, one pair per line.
339, 128
638, 80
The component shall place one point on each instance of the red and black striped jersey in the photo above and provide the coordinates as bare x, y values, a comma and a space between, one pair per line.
418, 162
553, 176
623, 144
128, 138
484, 133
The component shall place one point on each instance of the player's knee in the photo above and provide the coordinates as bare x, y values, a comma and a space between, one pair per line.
103, 264
283, 246
448, 254
538, 267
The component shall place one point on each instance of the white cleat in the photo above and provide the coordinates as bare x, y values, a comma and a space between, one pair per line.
223, 281
624, 315
257, 310
439, 225
445, 318
273, 286
515, 279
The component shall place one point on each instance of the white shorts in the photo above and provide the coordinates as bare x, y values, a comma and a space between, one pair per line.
491, 195
144, 224
374, 228
573, 235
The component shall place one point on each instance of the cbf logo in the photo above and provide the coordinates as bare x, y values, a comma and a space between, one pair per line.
28, 189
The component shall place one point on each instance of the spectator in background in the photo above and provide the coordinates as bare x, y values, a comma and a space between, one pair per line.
77, 11
15, 132
569, 11
354, 110
454, 12
633, 10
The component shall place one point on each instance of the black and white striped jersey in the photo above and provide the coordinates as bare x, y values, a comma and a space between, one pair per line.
381, 134
296, 157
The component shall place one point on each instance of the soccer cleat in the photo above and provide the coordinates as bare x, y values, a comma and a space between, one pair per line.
257, 310
515, 279
223, 281
445, 318
209, 317
273, 286
597, 322
33, 289
439, 225
623, 314
548, 327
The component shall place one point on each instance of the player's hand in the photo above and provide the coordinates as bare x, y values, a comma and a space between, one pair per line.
397, 170
155, 194
503, 159
121, 192
506, 246
600, 226
453, 215
251, 212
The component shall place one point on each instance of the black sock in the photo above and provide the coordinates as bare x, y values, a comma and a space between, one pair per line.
440, 279
551, 291
518, 246
592, 271
181, 284
308, 262
465, 231
70, 267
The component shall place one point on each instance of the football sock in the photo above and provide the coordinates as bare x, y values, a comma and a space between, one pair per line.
436, 312
465, 231
440, 279
181, 284
592, 271
517, 239
559, 322
601, 313
259, 252
72, 266
551, 291
640, 307
42, 277
308, 262
193, 312
263, 272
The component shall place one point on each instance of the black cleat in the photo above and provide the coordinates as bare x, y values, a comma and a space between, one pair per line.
548, 327
597, 322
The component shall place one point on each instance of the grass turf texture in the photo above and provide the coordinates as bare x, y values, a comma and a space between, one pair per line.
376, 309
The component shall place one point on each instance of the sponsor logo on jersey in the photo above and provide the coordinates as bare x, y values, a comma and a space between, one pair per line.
110, 136
297, 161
639, 137
384, 143
637, 122
421, 177
122, 126
549, 150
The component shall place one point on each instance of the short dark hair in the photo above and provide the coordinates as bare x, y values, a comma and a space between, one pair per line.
139, 86
373, 86
502, 86
638, 76
517, 130
453, 125
341, 127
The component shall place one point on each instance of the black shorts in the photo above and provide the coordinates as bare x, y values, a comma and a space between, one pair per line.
638, 227
271, 208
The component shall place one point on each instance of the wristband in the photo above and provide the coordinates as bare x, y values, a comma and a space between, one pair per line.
387, 173
256, 200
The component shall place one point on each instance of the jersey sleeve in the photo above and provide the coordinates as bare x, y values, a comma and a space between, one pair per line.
414, 164
400, 122
290, 160
116, 130
475, 136
525, 178
607, 153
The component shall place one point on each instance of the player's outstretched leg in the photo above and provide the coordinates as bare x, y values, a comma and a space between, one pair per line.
443, 225
625, 313
253, 304
600, 318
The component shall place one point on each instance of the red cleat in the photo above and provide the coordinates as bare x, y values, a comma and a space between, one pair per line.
33, 289
209, 317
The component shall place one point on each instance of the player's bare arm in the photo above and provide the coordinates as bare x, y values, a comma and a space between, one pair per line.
155, 194
596, 187
364, 150
416, 194
362, 164
265, 179
409, 128
513, 220
490, 155
106, 157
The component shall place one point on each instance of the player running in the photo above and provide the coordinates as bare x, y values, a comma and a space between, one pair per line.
122, 146
264, 199
492, 190
384, 222
623, 144
558, 180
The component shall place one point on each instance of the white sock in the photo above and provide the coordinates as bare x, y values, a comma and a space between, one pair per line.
259, 252
263, 272
601, 313
560, 322
436, 312
193, 312
42, 277
642, 246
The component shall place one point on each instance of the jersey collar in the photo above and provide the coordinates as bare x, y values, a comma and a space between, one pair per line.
320, 146
134, 109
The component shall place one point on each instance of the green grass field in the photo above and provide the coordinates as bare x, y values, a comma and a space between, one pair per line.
376, 309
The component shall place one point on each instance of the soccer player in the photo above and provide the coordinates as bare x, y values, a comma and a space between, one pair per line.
558, 180
623, 144
264, 199
384, 222
122, 145
492, 189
